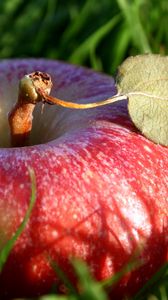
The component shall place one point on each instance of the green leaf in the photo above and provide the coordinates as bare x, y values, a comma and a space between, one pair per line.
143, 79
9, 245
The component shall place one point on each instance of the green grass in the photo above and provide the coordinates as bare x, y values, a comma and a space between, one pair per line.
98, 34
4, 253
155, 289
157, 286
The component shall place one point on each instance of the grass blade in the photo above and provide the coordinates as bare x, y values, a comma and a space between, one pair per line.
9, 245
89, 288
82, 52
63, 277
155, 283
131, 12
78, 24
130, 266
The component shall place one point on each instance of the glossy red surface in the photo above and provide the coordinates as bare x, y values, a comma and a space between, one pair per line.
102, 188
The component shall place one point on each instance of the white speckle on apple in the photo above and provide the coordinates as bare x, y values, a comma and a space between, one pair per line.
34, 268
21, 186
75, 216
147, 149
54, 234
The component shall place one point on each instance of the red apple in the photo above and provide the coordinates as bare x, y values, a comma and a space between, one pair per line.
102, 188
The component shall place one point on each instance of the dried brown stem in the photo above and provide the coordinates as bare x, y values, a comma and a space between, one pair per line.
21, 116
34, 88
68, 104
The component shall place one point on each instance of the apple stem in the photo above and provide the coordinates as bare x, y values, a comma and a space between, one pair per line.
118, 97
68, 104
21, 116
20, 122
34, 88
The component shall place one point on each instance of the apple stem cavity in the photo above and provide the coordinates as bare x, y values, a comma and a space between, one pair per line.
35, 88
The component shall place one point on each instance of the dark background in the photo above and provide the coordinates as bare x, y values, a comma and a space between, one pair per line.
94, 33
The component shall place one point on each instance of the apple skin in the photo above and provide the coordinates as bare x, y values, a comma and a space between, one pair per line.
102, 188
